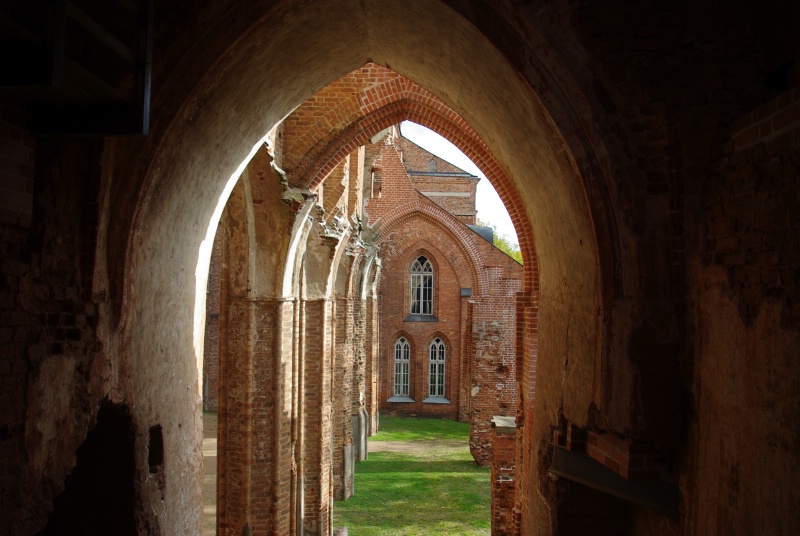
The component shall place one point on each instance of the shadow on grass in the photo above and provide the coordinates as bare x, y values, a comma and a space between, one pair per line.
384, 462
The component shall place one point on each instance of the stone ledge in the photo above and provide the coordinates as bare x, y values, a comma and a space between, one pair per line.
504, 425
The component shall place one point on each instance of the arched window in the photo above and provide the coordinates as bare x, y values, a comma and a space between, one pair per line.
422, 287
437, 361
402, 365
432, 165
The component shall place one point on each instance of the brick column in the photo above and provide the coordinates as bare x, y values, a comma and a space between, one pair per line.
254, 455
359, 397
343, 401
316, 450
373, 364
526, 357
503, 478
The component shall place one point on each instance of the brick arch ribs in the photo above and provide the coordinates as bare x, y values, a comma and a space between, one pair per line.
390, 103
204, 125
442, 219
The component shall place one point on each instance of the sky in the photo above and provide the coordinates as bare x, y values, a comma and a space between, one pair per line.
490, 208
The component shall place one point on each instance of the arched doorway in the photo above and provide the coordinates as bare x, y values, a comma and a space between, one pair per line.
192, 159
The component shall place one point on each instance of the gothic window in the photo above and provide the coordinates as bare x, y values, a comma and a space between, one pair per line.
437, 363
402, 362
422, 287
432, 166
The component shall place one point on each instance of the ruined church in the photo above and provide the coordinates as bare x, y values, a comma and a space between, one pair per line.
424, 310
647, 153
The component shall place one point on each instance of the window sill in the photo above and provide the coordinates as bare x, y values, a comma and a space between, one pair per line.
401, 399
436, 400
420, 318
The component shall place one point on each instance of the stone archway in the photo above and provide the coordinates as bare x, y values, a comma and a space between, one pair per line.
258, 82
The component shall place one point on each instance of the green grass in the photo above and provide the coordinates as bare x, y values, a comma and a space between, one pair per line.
436, 492
414, 429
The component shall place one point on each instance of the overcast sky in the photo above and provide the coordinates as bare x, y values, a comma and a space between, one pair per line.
490, 208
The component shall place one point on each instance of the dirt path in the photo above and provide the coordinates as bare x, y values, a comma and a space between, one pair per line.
417, 447
210, 476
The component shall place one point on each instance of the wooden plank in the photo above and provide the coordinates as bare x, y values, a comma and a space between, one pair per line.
658, 495
100, 33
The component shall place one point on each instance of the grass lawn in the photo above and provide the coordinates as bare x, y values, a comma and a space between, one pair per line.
429, 488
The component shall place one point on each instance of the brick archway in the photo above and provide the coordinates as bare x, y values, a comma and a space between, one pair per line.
337, 122
653, 149
200, 138
437, 216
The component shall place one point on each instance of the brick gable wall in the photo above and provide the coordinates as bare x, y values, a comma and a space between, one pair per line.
479, 326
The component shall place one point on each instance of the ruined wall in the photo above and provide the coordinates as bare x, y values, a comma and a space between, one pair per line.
606, 118
493, 334
482, 321
49, 318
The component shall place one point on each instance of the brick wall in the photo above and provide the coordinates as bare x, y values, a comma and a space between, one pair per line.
339, 119
373, 366
17, 150
48, 319
395, 307
317, 431
480, 326
752, 202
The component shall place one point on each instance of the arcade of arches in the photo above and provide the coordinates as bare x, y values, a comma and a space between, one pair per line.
650, 151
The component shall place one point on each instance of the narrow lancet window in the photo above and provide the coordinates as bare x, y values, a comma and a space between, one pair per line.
402, 362
437, 368
422, 287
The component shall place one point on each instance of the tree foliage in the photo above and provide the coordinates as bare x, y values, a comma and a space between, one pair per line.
504, 243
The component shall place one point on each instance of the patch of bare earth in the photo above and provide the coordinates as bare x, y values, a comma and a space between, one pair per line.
418, 447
